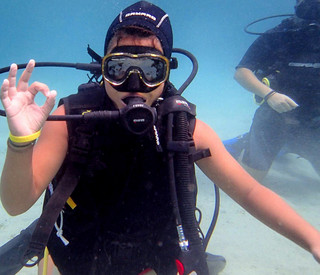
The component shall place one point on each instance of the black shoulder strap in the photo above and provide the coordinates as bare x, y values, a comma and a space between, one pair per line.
80, 142
174, 104
77, 160
49, 216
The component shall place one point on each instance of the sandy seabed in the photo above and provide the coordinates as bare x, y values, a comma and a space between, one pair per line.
250, 248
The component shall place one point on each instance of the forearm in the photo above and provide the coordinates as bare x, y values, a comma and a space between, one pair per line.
16, 187
22, 180
250, 82
273, 211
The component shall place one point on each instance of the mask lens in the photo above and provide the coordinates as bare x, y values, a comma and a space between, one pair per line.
115, 68
152, 69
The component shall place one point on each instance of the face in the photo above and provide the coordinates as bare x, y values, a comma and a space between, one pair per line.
129, 40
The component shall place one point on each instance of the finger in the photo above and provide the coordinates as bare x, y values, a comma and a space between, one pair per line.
4, 93
50, 95
288, 105
292, 103
284, 107
36, 87
25, 77
50, 102
280, 110
316, 255
12, 79
275, 105
280, 107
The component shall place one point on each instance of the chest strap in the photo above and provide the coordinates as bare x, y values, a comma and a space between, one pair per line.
77, 160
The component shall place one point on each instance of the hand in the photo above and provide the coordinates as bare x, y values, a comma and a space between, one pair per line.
281, 103
316, 254
24, 116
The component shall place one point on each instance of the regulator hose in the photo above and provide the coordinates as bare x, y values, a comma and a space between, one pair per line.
186, 194
246, 28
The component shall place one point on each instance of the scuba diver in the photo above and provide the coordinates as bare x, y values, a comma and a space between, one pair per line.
281, 68
118, 168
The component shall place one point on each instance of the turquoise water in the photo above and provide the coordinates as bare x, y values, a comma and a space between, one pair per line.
213, 31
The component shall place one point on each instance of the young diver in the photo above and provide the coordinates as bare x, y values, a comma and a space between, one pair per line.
122, 216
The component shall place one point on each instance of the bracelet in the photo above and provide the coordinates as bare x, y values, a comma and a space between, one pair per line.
19, 148
24, 139
268, 95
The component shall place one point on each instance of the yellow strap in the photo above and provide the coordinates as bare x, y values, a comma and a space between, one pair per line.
87, 111
266, 81
24, 139
256, 101
71, 203
45, 261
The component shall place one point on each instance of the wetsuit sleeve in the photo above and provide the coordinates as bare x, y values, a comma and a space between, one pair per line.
261, 54
270, 47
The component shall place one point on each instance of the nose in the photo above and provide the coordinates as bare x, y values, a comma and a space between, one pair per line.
134, 83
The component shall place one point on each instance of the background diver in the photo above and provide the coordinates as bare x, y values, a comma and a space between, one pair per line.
282, 69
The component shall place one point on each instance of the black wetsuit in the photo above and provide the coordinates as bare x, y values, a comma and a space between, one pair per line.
122, 222
289, 55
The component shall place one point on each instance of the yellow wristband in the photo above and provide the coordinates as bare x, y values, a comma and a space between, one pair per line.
24, 139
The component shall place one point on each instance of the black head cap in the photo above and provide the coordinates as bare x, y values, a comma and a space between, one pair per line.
147, 16
308, 9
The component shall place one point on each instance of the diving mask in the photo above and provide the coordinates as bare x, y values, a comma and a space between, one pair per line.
151, 67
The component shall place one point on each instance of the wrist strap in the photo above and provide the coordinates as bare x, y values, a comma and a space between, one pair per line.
17, 148
23, 139
268, 95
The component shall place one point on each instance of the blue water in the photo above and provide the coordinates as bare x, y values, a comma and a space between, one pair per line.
213, 31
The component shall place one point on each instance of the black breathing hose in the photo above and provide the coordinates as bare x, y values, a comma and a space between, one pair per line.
214, 218
186, 194
171, 174
263, 19
92, 67
194, 68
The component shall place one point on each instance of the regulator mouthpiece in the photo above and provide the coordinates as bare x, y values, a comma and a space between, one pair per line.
137, 117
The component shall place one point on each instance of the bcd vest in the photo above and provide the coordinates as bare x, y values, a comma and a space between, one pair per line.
121, 209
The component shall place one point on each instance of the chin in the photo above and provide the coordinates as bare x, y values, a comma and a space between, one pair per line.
121, 105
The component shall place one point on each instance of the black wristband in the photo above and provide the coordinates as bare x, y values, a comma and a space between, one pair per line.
268, 95
19, 148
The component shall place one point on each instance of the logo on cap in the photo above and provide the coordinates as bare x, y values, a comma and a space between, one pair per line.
136, 13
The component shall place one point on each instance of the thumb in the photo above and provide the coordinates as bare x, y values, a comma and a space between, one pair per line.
291, 102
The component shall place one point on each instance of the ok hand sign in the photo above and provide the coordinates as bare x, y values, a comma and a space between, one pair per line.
24, 116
